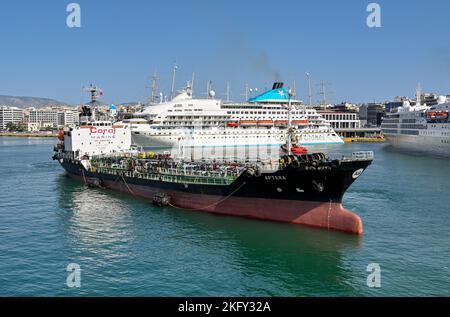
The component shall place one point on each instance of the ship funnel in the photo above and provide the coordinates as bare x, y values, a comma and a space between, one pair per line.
277, 85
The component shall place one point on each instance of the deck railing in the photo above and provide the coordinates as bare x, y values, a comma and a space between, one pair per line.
172, 178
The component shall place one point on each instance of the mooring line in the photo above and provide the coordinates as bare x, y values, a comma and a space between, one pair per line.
213, 204
126, 184
84, 177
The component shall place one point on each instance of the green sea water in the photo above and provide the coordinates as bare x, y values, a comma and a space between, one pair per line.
127, 247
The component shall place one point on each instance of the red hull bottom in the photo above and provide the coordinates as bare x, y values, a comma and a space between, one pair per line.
326, 215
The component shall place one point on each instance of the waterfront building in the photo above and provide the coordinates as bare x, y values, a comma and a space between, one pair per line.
44, 117
33, 126
347, 123
342, 119
10, 115
68, 118
371, 114
52, 118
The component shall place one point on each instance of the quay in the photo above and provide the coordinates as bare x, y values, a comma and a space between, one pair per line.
28, 135
361, 135
360, 139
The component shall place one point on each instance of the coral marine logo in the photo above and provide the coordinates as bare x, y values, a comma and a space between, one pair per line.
94, 130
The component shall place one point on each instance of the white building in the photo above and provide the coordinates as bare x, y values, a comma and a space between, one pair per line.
68, 118
33, 127
342, 120
44, 117
10, 115
53, 117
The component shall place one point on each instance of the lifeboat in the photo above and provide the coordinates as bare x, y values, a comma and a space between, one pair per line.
246, 123
441, 114
299, 150
437, 114
232, 124
265, 122
280, 123
295, 149
300, 122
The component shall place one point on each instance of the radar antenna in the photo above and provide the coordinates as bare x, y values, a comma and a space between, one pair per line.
88, 111
95, 93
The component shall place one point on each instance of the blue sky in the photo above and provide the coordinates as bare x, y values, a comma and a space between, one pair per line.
121, 43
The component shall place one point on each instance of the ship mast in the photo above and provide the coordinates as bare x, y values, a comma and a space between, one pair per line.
88, 111
418, 95
153, 87
192, 84
289, 131
308, 78
154, 79
174, 73
324, 95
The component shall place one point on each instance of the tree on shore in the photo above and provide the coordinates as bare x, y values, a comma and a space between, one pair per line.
12, 127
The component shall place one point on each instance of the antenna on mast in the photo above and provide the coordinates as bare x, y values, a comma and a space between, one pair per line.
95, 93
418, 95
308, 78
289, 129
294, 89
175, 67
154, 78
192, 84
89, 111
323, 93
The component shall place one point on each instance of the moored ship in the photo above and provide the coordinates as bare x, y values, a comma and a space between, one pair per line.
260, 121
300, 189
419, 128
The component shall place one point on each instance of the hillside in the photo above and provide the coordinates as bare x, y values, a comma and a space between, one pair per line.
24, 102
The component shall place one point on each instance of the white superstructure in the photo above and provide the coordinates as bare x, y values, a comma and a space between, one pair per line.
97, 138
263, 120
420, 128
94, 137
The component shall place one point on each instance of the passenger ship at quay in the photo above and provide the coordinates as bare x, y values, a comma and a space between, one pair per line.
261, 121
299, 189
419, 128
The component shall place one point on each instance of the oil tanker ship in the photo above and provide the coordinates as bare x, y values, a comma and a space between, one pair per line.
300, 189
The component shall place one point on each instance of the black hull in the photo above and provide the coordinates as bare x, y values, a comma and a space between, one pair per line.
292, 195
287, 184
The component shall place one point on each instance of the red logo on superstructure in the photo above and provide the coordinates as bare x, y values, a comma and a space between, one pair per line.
95, 130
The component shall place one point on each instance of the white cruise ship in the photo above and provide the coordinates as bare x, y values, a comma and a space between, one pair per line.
420, 128
263, 120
